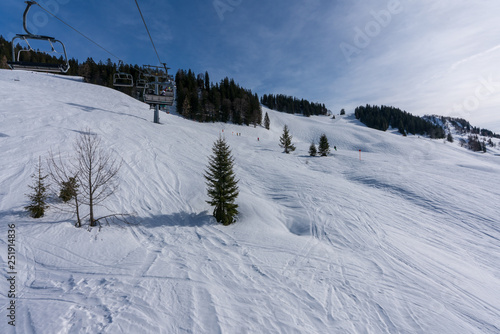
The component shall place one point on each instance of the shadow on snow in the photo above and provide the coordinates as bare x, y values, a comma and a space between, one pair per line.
181, 219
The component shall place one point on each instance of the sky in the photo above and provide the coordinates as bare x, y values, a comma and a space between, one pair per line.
425, 57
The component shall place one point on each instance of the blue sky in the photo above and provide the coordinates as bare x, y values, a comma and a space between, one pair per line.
425, 57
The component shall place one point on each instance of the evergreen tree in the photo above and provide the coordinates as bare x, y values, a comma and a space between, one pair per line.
222, 184
207, 81
324, 146
312, 150
449, 138
186, 108
286, 141
267, 122
38, 199
68, 189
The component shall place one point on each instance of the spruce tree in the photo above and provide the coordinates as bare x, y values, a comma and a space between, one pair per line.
207, 81
449, 138
186, 108
38, 199
312, 150
324, 146
68, 189
286, 141
222, 184
267, 122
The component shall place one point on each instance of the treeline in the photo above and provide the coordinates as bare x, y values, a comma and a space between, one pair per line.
463, 126
382, 117
292, 105
201, 100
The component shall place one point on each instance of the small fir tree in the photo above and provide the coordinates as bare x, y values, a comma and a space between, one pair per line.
68, 189
38, 200
324, 146
286, 141
449, 138
222, 184
312, 150
267, 121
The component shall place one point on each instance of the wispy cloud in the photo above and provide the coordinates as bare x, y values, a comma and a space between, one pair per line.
430, 59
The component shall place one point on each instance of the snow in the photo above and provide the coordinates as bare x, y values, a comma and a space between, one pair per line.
405, 240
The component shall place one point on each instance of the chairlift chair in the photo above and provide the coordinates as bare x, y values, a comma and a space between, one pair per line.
160, 91
141, 83
165, 95
18, 64
122, 79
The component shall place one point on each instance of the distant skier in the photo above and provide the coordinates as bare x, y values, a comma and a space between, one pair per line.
335, 147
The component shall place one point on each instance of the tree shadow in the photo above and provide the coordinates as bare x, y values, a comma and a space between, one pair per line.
85, 108
14, 213
21, 217
91, 109
180, 219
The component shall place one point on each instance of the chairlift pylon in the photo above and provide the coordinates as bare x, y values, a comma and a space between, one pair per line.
122, 79
18, 64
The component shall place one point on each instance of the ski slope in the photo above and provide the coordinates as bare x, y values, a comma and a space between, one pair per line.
404, 240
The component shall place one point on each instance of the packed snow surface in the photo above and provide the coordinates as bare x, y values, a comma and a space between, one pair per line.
405, 239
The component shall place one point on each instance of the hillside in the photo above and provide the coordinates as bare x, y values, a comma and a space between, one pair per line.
404, 240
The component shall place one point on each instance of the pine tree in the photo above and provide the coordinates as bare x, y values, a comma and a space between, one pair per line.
324, 146
3, 64
207, 81
286, 141
267, 121
68, 189
222, 184
449, 138
186, 108
312, 150
38, 199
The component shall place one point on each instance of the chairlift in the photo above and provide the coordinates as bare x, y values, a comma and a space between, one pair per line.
163, 96
141, 82
18, 64
160, 89
122, 79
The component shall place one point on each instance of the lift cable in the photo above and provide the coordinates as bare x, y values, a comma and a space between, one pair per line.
88, 38
151, 38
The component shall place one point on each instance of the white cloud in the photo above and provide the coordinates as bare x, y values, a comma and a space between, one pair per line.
432, 58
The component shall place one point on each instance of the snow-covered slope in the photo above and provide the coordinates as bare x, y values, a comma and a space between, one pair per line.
404, 240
